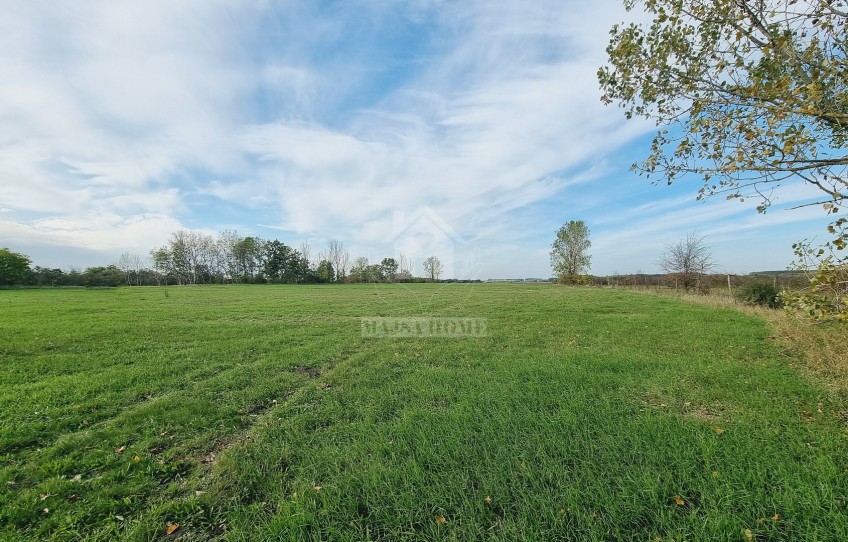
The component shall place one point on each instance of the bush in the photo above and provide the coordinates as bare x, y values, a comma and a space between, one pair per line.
760, 293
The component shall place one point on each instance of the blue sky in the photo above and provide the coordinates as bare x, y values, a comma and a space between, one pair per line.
125, 121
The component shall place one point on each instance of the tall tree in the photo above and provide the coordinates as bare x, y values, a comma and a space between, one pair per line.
325, 272
750, 94
131, 266
405, 268
336, 255
359, 270
569, 252
687, 260
14, 267
388, 268
248, 254
283, 263
433, 267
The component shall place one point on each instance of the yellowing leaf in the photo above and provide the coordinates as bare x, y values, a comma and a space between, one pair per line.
136, 459
487, 500
718, 430
171, 528
715, 474
441, 519
748, 534
318, 488
678, 500
775, 517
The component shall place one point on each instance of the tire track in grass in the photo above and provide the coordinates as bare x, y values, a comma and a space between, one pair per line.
218, 479
235, 405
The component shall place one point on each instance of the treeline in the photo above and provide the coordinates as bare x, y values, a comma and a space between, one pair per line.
194, 257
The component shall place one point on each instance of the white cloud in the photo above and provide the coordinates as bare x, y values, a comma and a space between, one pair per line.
123, 122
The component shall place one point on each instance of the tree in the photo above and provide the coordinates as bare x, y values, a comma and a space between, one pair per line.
14, 267
131, 266
324, 271
388, 268
338, 257
405, 268
248, 254
49, 277
284, 264
433, 267
750, 94
687, 260
110, 276
569, 257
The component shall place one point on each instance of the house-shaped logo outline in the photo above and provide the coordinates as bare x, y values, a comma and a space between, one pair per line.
432, 222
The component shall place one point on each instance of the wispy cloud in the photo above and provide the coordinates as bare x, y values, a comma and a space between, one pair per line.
122, 122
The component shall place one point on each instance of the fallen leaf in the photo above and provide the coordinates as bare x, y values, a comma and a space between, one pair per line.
678, 500
11, 484
136, 459
775, 517
318, 488
120, 450
171, 528
198, 493
46, 510
748, 534
44, 496
487, 500
718, 430
441, 519
119, 518
77, 478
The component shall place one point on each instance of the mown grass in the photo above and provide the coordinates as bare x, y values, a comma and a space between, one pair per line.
261, 413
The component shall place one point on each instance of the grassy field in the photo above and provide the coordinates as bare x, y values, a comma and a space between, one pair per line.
260, 412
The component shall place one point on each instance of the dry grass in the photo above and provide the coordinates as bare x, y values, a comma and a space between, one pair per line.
822, 346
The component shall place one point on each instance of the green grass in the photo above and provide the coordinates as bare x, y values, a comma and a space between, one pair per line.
260, 412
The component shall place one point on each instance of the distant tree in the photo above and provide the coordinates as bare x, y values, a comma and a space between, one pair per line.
14, 267
248, 254
131, 266
388, 268
359, 270
338, 257
433, 267
569, 252
49, 277
687, 260
306, 252
324, 271
108, 276
405, 268
189, 257
282, 263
